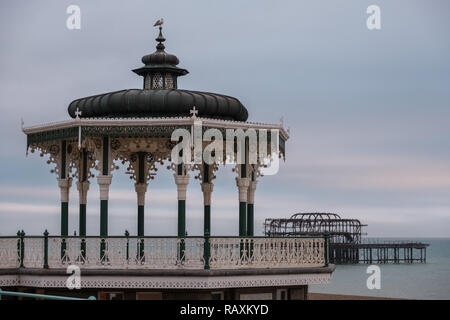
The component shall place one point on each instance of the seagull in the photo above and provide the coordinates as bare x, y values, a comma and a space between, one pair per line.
159, 22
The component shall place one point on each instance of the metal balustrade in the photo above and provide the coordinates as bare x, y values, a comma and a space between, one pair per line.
114, 252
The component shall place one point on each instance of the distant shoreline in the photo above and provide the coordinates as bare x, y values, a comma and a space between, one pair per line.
329, 296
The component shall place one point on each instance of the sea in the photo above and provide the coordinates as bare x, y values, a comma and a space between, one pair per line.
430, 280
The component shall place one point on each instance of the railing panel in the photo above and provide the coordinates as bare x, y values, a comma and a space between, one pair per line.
232, 253
33, 252
164, 252
9, 253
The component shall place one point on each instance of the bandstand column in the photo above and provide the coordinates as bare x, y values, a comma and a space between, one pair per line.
242, 184
83, 187
250, 208
141, 189
104, 181
181, 180
64, 184
207, 189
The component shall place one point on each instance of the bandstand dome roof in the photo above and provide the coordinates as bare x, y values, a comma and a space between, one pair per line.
159, 103
160, 96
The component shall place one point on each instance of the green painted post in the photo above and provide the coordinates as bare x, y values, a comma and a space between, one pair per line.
206, 207
63, 248
250, 220
243, 204
242, 219
103, 218
207, 220
182, 218
105, 160
140, 221
18, 248
103, 225
206, 250
104, 203
83, 248
64, 204
326, 249
82, 221
141, 231
250, 231
21, 247
127, 234
64, 219
63, 159
141, 179
45, 249
182, 227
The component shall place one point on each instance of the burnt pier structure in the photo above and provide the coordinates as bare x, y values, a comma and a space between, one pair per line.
346, 244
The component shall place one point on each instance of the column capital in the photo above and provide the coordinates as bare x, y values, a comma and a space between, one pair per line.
181, 181
64, 186
242, 184
207, 189
83, 187
141, 189
251, 192
104, 181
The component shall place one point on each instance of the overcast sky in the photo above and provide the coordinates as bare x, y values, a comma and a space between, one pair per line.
369, 111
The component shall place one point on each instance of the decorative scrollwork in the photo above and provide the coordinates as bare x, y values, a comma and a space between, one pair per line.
200, 167
52, 149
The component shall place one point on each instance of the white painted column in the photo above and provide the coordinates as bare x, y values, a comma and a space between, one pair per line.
104, 181
251, 208
242, 184
83, 188
181, 181
207, 189
64, 187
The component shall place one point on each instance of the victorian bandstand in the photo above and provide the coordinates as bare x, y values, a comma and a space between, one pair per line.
138, 128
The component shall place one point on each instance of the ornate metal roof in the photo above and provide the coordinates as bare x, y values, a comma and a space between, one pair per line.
159, 103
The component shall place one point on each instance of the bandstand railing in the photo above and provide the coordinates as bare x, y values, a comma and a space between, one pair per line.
152, 252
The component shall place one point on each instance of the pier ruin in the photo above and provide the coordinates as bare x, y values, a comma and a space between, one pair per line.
346, 242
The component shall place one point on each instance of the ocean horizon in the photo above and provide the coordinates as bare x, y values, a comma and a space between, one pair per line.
430, 280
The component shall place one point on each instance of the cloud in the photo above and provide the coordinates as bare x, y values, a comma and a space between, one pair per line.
368, 112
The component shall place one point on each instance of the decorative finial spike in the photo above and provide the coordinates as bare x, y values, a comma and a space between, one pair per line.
78, 113
160, 38
194, 112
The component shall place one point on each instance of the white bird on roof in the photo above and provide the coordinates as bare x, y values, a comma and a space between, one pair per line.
159, 22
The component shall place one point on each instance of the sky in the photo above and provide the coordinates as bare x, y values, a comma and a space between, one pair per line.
368, 110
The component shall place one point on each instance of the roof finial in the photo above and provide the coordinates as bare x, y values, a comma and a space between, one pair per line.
160, 38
